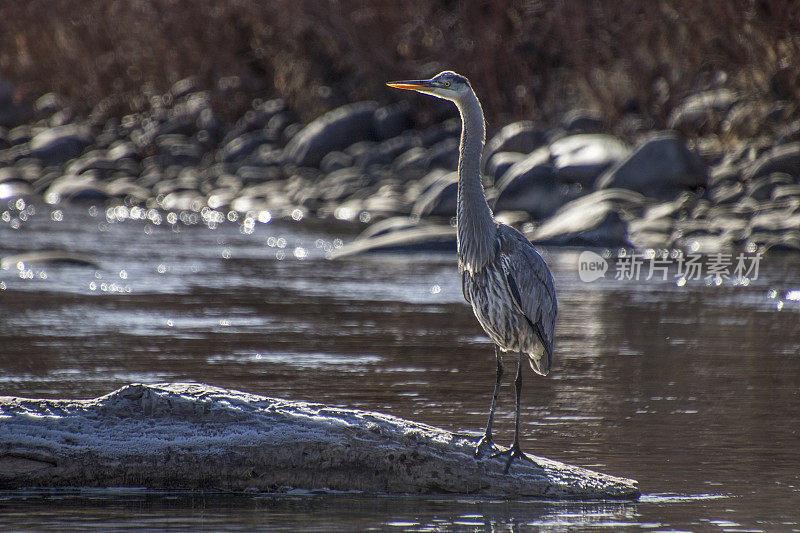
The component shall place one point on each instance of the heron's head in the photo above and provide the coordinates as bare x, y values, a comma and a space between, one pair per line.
447, 85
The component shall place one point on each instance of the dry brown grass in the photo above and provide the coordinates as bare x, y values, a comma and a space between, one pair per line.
530, 58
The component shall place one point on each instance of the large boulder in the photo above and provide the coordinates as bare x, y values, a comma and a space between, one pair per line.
334, 130
592, 220
55, 146
582, 158
500, 162
703, 111
784, 158
535, 191
523, 136
439, 199
85, 187
660, 168
392, 120
422, 238
242, 146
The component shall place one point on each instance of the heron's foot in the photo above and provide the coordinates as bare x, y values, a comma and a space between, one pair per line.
485, 444
513, 452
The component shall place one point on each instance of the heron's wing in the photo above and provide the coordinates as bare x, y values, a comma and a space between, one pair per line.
530, 283
464, 290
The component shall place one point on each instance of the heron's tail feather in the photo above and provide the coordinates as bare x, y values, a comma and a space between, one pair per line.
540, 364
542, 359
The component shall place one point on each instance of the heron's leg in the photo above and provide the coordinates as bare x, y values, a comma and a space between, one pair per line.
515, 451
486, 440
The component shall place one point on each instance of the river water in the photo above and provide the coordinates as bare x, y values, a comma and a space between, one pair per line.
690, 388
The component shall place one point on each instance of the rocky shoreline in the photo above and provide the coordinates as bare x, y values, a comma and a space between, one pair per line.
371, 165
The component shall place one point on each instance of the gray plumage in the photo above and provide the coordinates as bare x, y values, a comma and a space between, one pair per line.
505, 280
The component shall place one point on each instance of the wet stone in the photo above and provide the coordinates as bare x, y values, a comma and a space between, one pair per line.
440, 199
660, 168
335, 130
582, 158
60, 144
500, 162
523, 137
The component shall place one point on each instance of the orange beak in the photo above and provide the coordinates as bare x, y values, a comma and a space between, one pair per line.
412, 85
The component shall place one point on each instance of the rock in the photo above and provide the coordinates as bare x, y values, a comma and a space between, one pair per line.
784, 158
192, 437
11, 174
537, 158
265, 156
392, 120
185, 200
176, 150
15, 189
726, 192
98, 160
440, 199
388, 150
48, 104
426, 238
125, 189
262, 117
382, 205
759, 188
208, 122
780, 192
746, 119
535, 191
412, 163
671, 209
342, 183
244, 145
57, 145
184, 87
388, 225
659, 168
582, 121
596, 225
122, 149
20, 134
582, 158
440, 131
774, 220
500, 162
702, 112
335, 130
335, 160
592, 220
443, 154
75, 188
788, 133
523, 137
704, 244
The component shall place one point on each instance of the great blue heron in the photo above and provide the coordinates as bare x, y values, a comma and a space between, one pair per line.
507, 283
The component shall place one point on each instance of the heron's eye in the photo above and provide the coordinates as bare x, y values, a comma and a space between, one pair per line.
447, 84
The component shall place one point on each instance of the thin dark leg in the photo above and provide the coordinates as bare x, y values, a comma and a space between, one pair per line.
515, 451
486, 440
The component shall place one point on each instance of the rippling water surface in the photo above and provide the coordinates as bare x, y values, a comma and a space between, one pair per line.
692, 390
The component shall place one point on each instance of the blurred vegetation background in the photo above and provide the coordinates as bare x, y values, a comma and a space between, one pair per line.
529, 59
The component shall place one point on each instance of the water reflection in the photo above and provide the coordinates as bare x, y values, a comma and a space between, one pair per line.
692, 390
303, 511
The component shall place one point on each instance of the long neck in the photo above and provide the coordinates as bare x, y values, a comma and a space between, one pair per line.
476, 228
